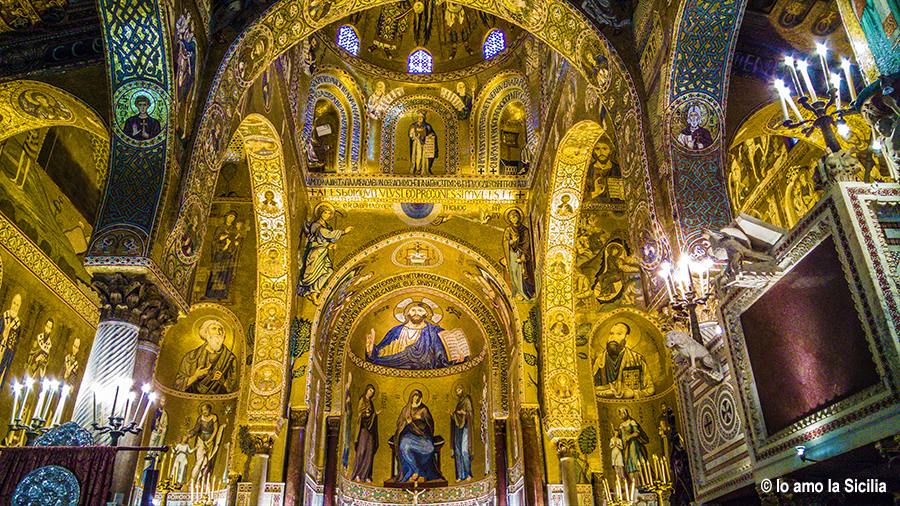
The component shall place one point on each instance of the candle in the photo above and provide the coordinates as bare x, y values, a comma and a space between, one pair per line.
54, 387
606, 489
784, 112
150, 400
836, 84
60, 406
665, 272
17, 390
45, 386
144, 391
112, 412
28, 384
789, 62
668, 468
633, 490
787, 97
656, 467
822, 49
845, 63
618, 488
802, 64
129, 400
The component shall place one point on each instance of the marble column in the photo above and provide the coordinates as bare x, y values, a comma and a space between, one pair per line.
259, 470
232, 490
565, 448
531, 455
133, 316
500, 463
295, 457
332, 440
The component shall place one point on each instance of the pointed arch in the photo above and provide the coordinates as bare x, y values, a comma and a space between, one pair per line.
499, 92
28, 105
335, 348
338, 88
559, 25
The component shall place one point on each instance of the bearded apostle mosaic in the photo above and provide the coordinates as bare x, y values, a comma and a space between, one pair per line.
418, 342
627, 359
205, 360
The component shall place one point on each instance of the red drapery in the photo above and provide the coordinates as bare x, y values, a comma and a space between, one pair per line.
92, 466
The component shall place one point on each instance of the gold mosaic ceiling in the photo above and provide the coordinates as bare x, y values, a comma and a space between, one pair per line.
453, 34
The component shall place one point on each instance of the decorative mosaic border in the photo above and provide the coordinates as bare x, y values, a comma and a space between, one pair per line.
458, 181
32, 258
408, 373
409, 103
268, 173
475, 493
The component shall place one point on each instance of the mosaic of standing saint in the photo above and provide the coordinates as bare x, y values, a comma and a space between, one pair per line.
417, 343
518, 255
415, 436
367, 438
423, 145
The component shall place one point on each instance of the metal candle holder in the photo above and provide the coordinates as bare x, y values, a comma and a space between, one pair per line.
116, 429
32, 430
824, 121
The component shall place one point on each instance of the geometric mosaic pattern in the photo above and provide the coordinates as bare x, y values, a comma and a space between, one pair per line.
704, 44
135, 39
700, 191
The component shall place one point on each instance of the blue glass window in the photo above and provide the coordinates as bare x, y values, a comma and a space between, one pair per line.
494, 43
420, 62
348, 39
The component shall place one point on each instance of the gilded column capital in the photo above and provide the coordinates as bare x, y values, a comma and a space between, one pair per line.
566, 447
529, 414
299, 416
130, 298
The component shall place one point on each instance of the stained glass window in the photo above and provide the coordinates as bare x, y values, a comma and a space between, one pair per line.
494, 43
420, 62
348, 39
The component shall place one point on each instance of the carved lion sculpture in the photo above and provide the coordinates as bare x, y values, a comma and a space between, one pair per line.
685, 345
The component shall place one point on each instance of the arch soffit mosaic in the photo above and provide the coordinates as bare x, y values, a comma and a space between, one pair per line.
28, 105
354, 261
563, 414
264, 154
555, 22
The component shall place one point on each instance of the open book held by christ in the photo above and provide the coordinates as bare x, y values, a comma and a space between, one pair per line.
455, 344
